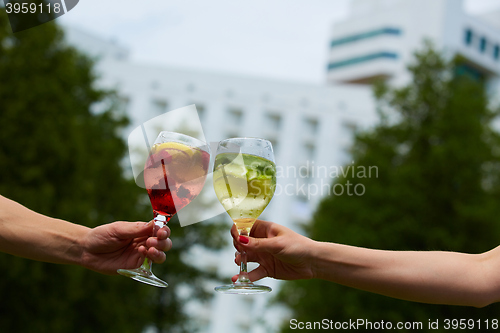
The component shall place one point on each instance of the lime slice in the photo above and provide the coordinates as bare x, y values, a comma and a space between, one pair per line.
220, 187
252, 174
235, 170
259, 187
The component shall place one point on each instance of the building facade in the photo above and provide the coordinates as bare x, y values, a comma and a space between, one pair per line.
378, 40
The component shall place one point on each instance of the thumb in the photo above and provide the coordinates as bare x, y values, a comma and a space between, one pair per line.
127, 230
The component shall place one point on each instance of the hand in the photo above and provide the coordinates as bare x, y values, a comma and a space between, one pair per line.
281, 253
124, 245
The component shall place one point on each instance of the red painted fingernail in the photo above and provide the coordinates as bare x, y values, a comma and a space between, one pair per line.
244, 239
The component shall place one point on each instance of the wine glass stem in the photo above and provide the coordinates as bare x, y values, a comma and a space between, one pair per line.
160, 221
243, 276
146, 265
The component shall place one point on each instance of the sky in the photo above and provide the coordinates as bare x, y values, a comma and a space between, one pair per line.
280, 39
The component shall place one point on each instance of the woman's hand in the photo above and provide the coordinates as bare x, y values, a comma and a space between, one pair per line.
282, 253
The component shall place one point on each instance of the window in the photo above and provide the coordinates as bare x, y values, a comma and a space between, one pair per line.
311, 126
353, 61
496, 52
274, 143
235, 117
232, 134
201, 110
274, 121
350, 126
469, 71
365, 35
483, 43
309, 150
469, 35
159, 106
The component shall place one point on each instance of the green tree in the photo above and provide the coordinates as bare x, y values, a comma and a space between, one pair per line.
436, 187
61, 151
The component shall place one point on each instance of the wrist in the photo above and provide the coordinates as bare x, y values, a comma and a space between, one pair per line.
314, 259
75, 238
322, 260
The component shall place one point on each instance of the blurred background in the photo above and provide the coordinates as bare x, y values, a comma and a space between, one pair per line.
327, 82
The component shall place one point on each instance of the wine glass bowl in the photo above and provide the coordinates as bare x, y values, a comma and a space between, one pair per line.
174, 174
244, 182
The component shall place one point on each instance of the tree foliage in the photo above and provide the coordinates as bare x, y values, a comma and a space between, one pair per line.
61, 154
437, 188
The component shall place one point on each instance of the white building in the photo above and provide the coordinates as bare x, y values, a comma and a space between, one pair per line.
309, 125
379, 39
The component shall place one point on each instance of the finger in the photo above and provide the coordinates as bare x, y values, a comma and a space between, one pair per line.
255, 275
258, 273
156, 255
251, 257
236, 245
159, 244
237, 258
143, 251
163, 233
260, 228
250, 244
127, 230
234, 232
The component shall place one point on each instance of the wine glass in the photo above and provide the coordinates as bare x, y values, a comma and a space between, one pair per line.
244, 182
174, 175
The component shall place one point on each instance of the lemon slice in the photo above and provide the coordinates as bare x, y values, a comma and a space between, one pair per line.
173, 146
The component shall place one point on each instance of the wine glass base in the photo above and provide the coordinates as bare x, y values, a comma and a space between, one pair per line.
143, 276
243, 289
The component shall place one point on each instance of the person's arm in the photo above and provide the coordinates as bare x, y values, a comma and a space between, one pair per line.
106, 248
429, 277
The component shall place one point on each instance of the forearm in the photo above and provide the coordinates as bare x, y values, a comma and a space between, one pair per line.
429, 277
28, 234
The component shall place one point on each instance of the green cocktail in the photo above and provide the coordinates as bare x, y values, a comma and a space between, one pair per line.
244, 184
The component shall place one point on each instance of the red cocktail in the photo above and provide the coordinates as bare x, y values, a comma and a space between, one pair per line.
174, 175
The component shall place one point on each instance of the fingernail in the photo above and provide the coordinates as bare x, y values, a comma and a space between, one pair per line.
244, 239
